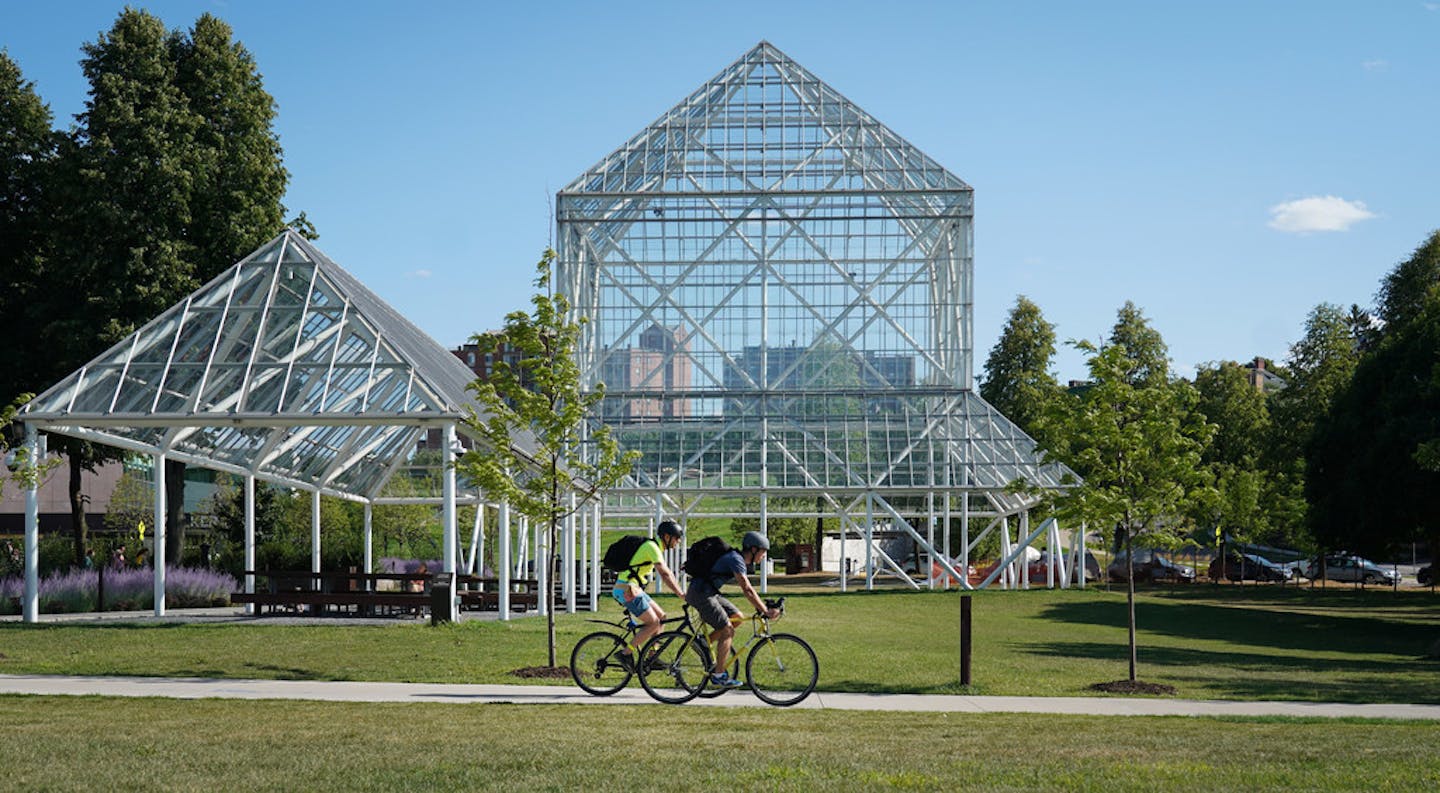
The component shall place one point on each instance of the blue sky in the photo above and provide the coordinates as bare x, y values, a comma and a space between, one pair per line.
1225, 165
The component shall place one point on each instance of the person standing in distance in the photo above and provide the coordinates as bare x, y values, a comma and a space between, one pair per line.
704, 596
630, 585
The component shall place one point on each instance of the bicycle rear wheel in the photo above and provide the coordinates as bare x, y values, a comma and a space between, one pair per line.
782, 669
595, 664
676, 667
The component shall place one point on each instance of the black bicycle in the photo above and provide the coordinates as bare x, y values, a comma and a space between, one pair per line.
596, 663
780, 668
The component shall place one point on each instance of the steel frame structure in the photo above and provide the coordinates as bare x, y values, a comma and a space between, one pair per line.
284, 368
778, 292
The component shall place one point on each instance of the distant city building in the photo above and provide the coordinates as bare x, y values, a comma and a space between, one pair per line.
661, 363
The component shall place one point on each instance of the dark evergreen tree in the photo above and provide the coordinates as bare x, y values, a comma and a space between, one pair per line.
1018, 380
1149, 358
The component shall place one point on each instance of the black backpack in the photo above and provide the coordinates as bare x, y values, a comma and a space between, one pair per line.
703, 555
618, 555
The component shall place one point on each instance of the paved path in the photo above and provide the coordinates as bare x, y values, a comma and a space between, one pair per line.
196, 688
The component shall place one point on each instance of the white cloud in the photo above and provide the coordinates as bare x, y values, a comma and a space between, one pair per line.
1375, 65
420, 274
1318, 213
1431, 6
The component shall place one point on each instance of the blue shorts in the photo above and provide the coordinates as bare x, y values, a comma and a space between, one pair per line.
637, 605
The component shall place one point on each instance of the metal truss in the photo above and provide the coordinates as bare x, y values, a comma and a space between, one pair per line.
779, 299
284, 367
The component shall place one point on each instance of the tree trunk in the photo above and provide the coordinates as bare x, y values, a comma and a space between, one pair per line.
1130, 598
77, 510
174, 509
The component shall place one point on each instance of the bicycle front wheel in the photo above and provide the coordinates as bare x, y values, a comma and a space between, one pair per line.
595, 664
675, 668
782, 669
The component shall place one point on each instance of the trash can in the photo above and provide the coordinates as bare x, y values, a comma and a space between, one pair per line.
442, 598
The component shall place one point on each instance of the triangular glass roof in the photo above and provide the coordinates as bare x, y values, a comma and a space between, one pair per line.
284, 366
765, 124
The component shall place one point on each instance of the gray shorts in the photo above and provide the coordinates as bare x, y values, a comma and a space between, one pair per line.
714, 609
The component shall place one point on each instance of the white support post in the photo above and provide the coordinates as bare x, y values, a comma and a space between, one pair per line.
869, 541
583, 568
447, 487
502, 533
930, 536
764, 532
158, 536
1022, 565
473, 565
315, 531
595, 557
542, 569
568, 551
250, 540
31, 605
1007, 566
946, 535
965, 539
844, 517
368, 557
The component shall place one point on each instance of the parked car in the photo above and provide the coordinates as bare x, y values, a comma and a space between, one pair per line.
1422, 577
1248, 567
1037, 569
1345, 567
1150, 566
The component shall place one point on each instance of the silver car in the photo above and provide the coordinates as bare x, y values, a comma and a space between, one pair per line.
1353, 568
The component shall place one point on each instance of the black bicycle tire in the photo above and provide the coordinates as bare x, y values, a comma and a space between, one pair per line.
580, 679
758, 651
662, 645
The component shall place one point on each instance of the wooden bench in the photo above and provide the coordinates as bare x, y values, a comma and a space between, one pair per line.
349, 592
482, 593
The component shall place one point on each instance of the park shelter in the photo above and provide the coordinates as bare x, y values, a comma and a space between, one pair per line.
285, 369
779, 295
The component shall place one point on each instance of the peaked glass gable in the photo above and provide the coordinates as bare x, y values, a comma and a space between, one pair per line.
284, 366
779, 298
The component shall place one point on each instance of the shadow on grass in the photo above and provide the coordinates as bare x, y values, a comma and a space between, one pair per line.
1355, 632
1244, 675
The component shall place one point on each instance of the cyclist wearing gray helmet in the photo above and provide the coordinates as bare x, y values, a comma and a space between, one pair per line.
704, 596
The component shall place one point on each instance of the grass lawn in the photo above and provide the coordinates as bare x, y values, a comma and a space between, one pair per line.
1220, 642
97, 743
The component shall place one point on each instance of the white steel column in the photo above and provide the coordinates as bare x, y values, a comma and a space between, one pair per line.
1022, 565
765, 532
315, 531
158, 536
368, 557
447, 484
473, 565
31, 605
869, 540
946, 534
930, 536
567, 548
502, 533
595, 557
965, 539
250, 540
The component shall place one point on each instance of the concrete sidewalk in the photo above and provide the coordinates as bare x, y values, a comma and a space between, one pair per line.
197, 688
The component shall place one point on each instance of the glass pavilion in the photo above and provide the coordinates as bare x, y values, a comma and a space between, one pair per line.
779, 300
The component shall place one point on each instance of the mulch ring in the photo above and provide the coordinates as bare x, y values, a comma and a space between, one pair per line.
1134, 687
548, 672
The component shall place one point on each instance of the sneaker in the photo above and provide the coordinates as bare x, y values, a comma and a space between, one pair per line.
627, 661
724, 680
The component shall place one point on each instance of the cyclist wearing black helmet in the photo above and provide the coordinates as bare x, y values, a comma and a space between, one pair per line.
704, 596
630, 585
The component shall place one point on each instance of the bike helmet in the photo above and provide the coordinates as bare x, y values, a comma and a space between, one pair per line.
754, 539
667, 528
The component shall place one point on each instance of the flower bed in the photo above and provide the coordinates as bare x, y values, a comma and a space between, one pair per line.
127, 589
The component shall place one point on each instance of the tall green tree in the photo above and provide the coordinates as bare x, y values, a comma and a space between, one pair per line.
1146, 354
27, 151
172, 173
1320, 364
1137, 443
1234, 456
1018, 381
569, 455
1370, 476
